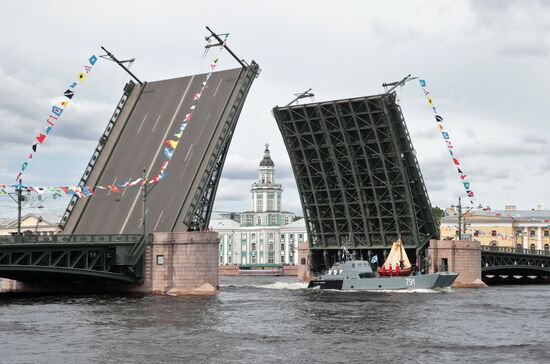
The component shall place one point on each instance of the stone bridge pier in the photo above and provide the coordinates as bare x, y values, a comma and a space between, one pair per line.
183, 263
459, 256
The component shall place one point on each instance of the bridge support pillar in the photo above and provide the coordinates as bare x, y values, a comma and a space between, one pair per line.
183, 263
459, 256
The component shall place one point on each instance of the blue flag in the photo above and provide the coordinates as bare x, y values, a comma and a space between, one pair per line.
374, 259
422, 83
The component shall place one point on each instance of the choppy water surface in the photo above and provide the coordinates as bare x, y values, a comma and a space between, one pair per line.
273, 319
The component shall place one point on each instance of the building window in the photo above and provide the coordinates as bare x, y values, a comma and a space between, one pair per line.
271, 247
274, 220
243, 236
531, 233
519, 246
300, 238
270, 260
282, 246
229, 248
476, 233
243, 248
532, 247
253, 237
271, 236
160, 259
282, 237
221, 259
493, 233
546, 247
253, 259
230, 259
253, 246
546, 233
494, 243
259, 220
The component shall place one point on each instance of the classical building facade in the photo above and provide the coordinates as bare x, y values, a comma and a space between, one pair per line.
527, 229
266, 234
30, 223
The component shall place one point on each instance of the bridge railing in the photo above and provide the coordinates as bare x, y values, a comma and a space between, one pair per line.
501, 249
68, 239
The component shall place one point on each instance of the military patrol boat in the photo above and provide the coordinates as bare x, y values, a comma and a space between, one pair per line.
357, 275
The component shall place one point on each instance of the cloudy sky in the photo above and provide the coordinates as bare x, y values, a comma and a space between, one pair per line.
486, 63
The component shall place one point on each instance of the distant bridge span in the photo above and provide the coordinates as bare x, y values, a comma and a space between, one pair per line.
500, 265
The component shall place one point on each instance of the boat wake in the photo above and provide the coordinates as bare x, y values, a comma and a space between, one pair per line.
276, 285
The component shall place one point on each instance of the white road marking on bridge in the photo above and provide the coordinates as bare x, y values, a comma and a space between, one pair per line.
157, 224
219, 83
140, 125
168, 129
156, 122
189, 151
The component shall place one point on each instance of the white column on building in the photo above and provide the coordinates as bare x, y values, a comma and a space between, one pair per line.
525, 238
539, 238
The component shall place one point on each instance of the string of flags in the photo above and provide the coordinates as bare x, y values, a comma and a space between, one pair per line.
88, 191
83, 192
56, 111
448, 142
172, 144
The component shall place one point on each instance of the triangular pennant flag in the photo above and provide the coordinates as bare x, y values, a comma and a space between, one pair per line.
69, 94
193, 107
460, 171
88, 69
41, 138
183, 127
466, 185
65, 103
168, 152
188, 116
172, 143
34, 147
456, 162
212, 66
48, 129
178, 135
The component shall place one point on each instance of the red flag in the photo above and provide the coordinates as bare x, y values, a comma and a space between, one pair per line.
64, 189
113, 188
41, 138
463, 176
188, 117
456, 162
30, 156
197, 96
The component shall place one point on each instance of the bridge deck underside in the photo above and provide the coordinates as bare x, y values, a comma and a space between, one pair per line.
357, 174
155, 117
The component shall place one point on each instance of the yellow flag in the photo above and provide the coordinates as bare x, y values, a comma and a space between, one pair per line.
430, 101
81, 76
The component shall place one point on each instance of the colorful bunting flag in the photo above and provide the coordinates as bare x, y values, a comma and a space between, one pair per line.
57, 110
447, 138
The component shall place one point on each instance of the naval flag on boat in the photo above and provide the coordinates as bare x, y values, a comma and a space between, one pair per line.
374, 259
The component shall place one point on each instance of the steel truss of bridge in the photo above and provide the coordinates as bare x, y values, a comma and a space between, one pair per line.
116, 258
510, 264
357, 175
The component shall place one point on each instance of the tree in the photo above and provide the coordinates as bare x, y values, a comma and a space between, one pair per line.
438, 214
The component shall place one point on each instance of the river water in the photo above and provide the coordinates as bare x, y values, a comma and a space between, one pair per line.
274, 319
